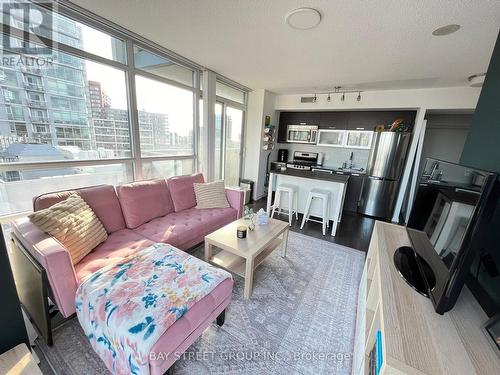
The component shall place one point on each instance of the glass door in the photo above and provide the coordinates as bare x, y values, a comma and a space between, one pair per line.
232, 145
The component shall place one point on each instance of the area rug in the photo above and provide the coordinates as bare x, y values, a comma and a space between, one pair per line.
300, 320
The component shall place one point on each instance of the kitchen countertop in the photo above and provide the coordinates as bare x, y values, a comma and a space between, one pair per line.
340, 178
342, 170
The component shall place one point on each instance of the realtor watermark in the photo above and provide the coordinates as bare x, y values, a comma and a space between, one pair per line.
27, 27
27, 39
240, 356
26, 61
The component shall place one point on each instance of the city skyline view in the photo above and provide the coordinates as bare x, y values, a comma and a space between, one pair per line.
54, 104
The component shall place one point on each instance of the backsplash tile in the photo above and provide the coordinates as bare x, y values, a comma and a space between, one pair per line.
333, 157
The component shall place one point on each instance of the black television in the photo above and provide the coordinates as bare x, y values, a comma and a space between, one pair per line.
452, 208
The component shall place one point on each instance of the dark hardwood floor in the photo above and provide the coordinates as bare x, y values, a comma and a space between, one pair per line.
354, 230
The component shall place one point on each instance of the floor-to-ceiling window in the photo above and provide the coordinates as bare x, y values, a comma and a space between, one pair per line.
233, 145
99, 106
229, 124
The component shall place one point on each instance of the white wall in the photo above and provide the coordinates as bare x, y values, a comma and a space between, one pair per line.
253, 133
438, 98
260, 104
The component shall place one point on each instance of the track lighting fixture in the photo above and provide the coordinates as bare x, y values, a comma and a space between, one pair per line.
329, 98
315, 99
342, 98
359, 96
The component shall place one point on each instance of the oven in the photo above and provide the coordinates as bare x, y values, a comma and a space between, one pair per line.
302, 134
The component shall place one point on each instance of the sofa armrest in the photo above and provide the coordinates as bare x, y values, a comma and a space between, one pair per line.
54, 258
236, 197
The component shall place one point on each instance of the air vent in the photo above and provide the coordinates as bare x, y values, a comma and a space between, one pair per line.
307, 99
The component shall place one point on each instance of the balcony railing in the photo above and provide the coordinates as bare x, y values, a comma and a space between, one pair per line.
37, 104
13, 117
31, 70
42, 120
33, 86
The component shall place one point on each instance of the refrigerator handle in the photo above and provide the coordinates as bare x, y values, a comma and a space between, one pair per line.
375, 178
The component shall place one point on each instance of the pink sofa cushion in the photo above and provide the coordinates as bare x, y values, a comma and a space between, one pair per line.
186, 228
144, 200
119, 245
182, 191
102, 199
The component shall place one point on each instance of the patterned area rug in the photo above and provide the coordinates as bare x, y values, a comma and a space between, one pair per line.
300, 320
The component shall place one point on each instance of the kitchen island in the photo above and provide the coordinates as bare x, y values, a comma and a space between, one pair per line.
305, 182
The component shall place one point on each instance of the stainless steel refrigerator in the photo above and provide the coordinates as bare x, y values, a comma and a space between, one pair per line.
385, 166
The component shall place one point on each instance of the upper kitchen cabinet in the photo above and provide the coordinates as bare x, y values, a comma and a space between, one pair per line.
333, 120
299, 118
364, 120
359, 139
367, 120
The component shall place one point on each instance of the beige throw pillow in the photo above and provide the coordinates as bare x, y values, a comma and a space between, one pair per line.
210, 195
74, 224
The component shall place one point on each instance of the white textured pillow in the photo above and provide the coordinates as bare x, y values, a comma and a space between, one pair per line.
210, 195
74, 224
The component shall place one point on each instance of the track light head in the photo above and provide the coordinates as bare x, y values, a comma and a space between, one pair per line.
342, 98
329, 98
359, 96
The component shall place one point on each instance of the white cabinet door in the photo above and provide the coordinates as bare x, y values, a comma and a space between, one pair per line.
332, 138
359, 139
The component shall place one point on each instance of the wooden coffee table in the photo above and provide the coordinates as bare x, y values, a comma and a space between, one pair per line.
243, 256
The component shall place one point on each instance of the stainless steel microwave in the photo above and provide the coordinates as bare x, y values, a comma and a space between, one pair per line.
302, 134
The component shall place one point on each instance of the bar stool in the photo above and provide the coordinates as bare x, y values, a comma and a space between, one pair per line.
324, 195
291, 190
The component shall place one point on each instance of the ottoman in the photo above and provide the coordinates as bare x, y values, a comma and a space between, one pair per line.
142, 313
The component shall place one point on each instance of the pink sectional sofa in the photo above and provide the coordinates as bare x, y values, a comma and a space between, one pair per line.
135, 216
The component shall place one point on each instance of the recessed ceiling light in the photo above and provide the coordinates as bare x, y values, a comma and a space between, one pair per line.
446, 30
303, 18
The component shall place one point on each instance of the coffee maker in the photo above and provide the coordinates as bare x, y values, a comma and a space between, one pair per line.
282, 155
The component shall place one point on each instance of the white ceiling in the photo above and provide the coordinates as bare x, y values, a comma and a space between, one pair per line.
365, 44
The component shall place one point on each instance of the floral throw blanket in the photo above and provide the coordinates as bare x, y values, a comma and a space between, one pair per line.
125, 307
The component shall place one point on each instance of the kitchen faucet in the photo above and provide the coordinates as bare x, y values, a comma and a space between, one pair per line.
430, 175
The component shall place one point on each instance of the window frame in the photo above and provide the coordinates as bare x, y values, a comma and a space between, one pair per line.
88, 19
135, 161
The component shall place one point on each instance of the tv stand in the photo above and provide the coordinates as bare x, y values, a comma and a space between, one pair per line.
414, 338
405, 260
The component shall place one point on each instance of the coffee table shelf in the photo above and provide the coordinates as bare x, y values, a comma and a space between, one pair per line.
236, 264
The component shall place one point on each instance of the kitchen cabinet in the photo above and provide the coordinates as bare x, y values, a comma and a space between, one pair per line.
299, 118
333, 120
364, 120
359, 139
367, 120
281, 133
359, 121
332, 138
353, 193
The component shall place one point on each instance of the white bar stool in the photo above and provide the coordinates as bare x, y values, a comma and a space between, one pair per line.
324, 195
291, 190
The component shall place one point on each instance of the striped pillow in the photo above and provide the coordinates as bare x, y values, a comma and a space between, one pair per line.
210, 195
74, 224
